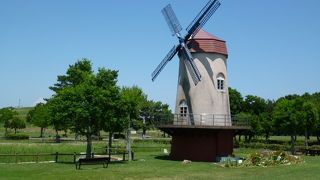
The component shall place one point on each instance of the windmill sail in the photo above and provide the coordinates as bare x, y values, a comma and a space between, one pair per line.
192, 29
164, 62
191, 66
171, 19
202, 18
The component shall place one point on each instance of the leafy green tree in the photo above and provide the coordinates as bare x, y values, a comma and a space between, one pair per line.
17, 123
315, 99
151, 110
6, 115
255, 126
266, 123
39, 116
287, 120
236, 101
254, 105
76, 74
59, 119
84, 100
118, 123
310, 119
133, 97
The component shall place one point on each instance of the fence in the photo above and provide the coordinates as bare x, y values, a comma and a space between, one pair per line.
43, 157
200, 120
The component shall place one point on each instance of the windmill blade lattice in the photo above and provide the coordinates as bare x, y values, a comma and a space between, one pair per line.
202, 18
164, 62
171, 19
191, 66
192, 29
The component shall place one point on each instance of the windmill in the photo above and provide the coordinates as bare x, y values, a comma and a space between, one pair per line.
192, 29
201, 128
200, 94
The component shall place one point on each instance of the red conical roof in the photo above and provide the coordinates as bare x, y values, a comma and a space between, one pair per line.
206, 42
205, 35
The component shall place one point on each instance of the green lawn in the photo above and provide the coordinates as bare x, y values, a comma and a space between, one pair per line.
154, 165
148, 164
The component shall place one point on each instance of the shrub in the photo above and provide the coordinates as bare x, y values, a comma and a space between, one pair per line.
270, 159
17, 136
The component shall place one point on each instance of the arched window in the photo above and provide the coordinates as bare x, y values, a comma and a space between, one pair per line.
220, 81
183, 108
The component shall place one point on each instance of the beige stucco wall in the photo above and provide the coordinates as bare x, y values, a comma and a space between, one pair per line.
208, 105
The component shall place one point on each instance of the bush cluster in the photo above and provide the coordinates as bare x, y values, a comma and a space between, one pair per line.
17, 136
264, 159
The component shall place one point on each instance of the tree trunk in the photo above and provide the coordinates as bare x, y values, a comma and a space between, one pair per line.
306, 138
318, 138
110, 143
128, 138
144, 130
41, 132
267, 137
89, 145
239, 139
293, 141
65, 133
250, 138
57, 137
6, 131
15, 130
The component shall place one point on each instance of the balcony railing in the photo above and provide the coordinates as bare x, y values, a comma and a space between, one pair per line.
200, 120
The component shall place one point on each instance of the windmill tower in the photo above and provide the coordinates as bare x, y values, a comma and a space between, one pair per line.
206, 103
202, 94
201, 128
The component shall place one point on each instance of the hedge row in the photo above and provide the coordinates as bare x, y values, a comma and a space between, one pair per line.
276, 147
17, 136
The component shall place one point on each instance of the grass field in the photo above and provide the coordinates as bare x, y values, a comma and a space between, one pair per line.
150, 163
155, 165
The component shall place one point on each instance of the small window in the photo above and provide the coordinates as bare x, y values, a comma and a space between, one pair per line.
183, 108
220, 81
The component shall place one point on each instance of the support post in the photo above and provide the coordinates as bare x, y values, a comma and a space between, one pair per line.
57, 155
212, 119
37, 158
74, 157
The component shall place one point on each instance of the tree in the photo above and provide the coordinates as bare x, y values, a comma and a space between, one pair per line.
133, 98
39, 116
17, 123
265, 119
286, 119
6, 115
85, 100
310, 118
236, 101
254, 105
151, 110
59, 119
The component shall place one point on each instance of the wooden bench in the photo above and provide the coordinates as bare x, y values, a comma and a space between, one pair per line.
93, 161
312, 152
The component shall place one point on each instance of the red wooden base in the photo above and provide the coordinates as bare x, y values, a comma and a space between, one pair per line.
200, 144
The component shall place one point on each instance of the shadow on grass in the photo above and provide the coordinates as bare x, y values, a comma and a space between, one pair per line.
163, 157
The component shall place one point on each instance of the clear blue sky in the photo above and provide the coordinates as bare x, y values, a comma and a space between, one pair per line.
274, 45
